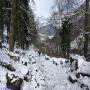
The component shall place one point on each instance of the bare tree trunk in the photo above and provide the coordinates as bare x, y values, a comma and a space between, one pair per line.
58, 41
86, 28
8, 32
13, 26
1, 23
1, 38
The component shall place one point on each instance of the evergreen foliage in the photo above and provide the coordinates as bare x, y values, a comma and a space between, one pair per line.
65, 37
24, 24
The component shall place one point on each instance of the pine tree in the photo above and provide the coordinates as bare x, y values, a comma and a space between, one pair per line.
65, 37
22, 23
28, 27
32, 24
18, 24
22, 28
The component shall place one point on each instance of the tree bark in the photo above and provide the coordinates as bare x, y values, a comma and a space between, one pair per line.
13, 26
1, 23
86, 28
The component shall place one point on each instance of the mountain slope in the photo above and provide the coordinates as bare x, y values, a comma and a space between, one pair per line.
40, 72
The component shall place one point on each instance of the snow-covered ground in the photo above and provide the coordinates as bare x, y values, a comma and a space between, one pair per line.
43, 72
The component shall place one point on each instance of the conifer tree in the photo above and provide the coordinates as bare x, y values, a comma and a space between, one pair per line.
28, 27
32, 24
65, 37
22, 23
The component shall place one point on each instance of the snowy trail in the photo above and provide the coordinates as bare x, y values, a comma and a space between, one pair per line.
54, 75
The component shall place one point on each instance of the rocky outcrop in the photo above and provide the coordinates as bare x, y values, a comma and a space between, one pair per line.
13, 82
14, 57
7, 66
74, 64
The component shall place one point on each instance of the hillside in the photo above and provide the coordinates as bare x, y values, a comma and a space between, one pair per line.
27, 70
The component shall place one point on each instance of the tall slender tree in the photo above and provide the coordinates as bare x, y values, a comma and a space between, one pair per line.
1, 22
7, 16
14, 23
22, 23
28, 24
86, 28
65, 37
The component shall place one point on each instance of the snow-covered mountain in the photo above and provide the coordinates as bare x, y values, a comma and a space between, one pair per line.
48, 30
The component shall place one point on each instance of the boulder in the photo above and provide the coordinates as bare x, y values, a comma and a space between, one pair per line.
14, 57
74, 64
7, 66
13, 82
72, 80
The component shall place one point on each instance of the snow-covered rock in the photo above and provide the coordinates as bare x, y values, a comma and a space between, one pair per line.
42, 72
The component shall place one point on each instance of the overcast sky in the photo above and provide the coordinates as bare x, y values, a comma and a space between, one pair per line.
43, 7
